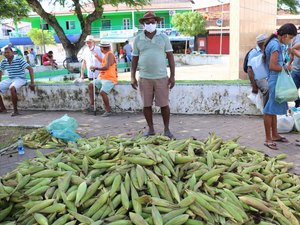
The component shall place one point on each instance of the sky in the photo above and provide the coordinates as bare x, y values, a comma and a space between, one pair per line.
206, 3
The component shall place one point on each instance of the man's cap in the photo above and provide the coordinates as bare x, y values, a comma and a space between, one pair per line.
149, 15
104, 44
261, 38
91, 38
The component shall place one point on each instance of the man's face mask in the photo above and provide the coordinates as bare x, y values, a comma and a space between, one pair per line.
150, 27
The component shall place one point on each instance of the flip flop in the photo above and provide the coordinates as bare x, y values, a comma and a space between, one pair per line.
15, 114
169, 134
271, 145
148, 133
281, 139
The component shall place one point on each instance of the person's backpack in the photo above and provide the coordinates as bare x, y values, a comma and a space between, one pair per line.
245, 67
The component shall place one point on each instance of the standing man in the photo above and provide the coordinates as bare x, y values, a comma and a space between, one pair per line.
128, 51
150, 49
257, 70
15, 67
88, 58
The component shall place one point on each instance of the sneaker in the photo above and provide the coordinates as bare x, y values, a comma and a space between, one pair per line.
106, 114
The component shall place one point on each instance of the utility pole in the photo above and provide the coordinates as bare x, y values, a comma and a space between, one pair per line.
221, 35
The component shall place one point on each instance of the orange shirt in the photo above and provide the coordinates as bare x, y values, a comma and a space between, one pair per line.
111, 72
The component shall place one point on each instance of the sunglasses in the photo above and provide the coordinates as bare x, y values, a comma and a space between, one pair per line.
148, 22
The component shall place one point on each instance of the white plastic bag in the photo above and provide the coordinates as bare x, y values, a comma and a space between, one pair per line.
285, 123
257, 100
296, 117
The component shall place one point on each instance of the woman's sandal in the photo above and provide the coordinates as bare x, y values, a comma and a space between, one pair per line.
271, 145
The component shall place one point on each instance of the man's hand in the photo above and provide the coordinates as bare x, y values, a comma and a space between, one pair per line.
254, 90
171, 82
289, 67
32, 87
134, 83
93, 68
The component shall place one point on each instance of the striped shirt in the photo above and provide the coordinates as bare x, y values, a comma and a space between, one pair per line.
16, 69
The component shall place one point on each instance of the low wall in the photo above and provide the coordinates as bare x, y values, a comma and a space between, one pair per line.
202, 59
184, 99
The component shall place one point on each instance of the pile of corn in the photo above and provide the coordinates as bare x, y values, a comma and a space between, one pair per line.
116, 181
41, 138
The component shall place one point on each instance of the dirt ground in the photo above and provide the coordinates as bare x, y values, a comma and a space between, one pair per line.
9, 135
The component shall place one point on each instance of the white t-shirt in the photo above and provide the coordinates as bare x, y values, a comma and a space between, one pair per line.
91, 60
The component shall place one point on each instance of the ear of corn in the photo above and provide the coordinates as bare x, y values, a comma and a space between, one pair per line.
114, 180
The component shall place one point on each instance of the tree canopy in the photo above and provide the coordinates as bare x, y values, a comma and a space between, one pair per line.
189, 23
14, 9
291, 5
41, 37
78, 7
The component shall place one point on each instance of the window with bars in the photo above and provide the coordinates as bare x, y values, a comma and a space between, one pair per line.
70, 25
161, 24
45, 26
106, 24
126, 24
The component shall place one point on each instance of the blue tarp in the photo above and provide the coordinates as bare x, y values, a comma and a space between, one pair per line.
20, 41
4, 42
28, 41
72, 37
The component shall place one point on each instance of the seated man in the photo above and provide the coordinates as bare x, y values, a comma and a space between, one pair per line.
108, 77
15, 67
47, 60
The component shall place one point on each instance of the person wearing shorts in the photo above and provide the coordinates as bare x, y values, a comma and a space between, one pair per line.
15, 66
150, 49
107, 78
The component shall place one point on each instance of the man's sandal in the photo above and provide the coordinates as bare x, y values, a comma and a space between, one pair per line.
271, 145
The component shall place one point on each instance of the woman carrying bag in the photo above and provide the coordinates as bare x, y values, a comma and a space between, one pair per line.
274, 58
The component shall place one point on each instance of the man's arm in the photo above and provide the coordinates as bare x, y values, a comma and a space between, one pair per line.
31, 85
83, 66
110, 61
171, 61
252, 80
134, 64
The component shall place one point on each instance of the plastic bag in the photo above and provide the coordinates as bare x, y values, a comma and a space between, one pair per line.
285, 89
285, 123
296, 117
64, 128
257, 100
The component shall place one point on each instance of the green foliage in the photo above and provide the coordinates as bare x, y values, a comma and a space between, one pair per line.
189, 23
291, 5
13, 9
39, 38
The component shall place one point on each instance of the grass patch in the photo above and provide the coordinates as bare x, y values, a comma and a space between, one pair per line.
9, 135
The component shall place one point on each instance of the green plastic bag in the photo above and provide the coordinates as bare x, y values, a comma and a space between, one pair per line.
64, 128
285, 89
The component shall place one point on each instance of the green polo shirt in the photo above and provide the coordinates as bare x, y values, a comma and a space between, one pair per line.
152, 55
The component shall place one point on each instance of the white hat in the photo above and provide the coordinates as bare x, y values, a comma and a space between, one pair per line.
90, 38
261, 38
104, 44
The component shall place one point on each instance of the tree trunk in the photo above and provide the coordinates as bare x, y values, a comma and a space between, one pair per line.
196, 43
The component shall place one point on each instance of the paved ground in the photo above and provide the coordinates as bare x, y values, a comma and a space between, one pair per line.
249, 128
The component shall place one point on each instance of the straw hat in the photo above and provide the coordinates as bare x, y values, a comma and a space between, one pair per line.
149, 15
91, 38
104, 44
